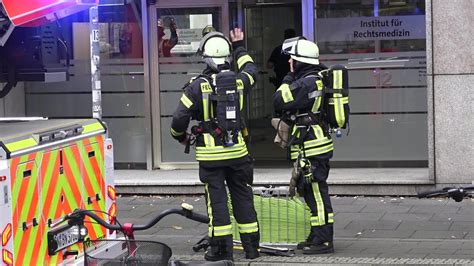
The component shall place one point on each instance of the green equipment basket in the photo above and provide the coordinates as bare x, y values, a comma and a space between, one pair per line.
282, 220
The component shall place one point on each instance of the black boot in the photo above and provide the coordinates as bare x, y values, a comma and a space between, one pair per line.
250, 243
305, 243
220, 249
322, 248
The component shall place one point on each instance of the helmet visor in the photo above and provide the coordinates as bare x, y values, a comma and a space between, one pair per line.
289, 45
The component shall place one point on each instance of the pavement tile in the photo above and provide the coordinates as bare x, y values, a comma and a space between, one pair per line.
347, 233
342, 200
340, 224
462, 226
349, 216
452, 217
344, 244
445, 256
382, 225
401, 255
407, 217
123, 215
424, 202
438, 234
470, 236
451, 244
468, 245
375, 201
387, 208
424, 225
387, 233
464, 252
433, 209
343, 208
429, 251
466, 210
362, 254
405, 243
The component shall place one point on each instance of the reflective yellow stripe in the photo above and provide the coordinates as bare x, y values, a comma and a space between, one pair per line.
92, 127
318, 131
251, 79
223, 230
205, 108
338, 104
20, 145
221, 156
344, 100
240, 88
206, 89
186, 101
330, 218
317, 100
286, 93
209, 140
176, 133
241, 100
220, 149
319, 203
313, 151
312, 143
209, 209
248, 228
337, 79
315, 221
243, 60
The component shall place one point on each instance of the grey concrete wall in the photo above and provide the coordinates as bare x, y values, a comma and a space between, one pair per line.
450, 54
14, 103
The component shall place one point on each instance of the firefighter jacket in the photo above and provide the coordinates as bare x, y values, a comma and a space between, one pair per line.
301, 97
194, 104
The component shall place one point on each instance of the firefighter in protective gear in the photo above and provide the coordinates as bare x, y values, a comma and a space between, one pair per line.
301, 98
221, 164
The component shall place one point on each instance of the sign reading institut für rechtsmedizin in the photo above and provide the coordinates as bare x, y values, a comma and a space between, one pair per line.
370, 28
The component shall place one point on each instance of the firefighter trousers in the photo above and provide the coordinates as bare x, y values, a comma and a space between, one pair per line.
239, 178
316, 195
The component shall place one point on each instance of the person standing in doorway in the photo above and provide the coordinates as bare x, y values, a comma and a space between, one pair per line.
279, 61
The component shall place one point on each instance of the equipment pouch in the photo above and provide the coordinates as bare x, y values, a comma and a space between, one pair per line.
283, 132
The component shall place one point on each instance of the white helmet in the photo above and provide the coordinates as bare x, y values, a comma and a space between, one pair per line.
301, 50
216, 49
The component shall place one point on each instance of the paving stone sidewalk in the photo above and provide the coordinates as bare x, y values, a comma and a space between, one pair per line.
368, 230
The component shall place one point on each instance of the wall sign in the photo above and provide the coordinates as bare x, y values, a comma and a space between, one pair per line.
370, 28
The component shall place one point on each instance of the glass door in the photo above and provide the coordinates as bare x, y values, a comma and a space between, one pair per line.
176, 29
265, 27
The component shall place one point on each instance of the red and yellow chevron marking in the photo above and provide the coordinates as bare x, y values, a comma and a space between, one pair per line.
48, 194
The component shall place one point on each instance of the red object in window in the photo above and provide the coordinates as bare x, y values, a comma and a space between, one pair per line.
37, 12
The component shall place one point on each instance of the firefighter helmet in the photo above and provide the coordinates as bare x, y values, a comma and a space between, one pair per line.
301, 50
208, 29
215, 49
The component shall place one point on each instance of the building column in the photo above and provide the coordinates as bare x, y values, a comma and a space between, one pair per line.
450, 62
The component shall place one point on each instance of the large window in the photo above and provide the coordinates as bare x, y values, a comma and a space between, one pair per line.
383, 44
121, 52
